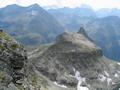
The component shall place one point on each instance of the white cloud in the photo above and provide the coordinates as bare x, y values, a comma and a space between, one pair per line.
96, 4
6, 2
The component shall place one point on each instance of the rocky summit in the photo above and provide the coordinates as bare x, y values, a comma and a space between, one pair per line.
73, 62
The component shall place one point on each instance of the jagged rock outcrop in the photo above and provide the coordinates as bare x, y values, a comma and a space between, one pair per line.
78, 64
82, 31
13, 59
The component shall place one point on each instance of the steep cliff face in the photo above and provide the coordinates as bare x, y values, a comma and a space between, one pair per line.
12, 62
76, 63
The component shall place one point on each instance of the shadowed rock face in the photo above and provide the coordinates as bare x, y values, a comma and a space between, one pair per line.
76, 42
74, 57
12, 60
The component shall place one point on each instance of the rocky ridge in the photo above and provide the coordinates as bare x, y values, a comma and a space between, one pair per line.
73, 62
13, 59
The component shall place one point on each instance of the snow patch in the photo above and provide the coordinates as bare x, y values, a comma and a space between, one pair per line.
82, 88
63, 86
113, 83
74, 70
31, 87
79, 87
118, 63
116, 75
80, 80
102, 78
106, 73
109, 80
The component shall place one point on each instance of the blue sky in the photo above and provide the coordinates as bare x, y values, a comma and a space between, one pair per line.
95, 4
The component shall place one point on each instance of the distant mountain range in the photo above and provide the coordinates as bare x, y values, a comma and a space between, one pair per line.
102, 26
34, 25
30, 25
106, 33
108, 12
73, 18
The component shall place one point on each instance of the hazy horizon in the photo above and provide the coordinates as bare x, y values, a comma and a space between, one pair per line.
95, 4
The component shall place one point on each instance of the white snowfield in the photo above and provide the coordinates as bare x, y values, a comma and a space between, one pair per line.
80, 80
105, 77
106, 73
116, 75
102, 78
63, 86
79, 87
109, 80
118, 63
